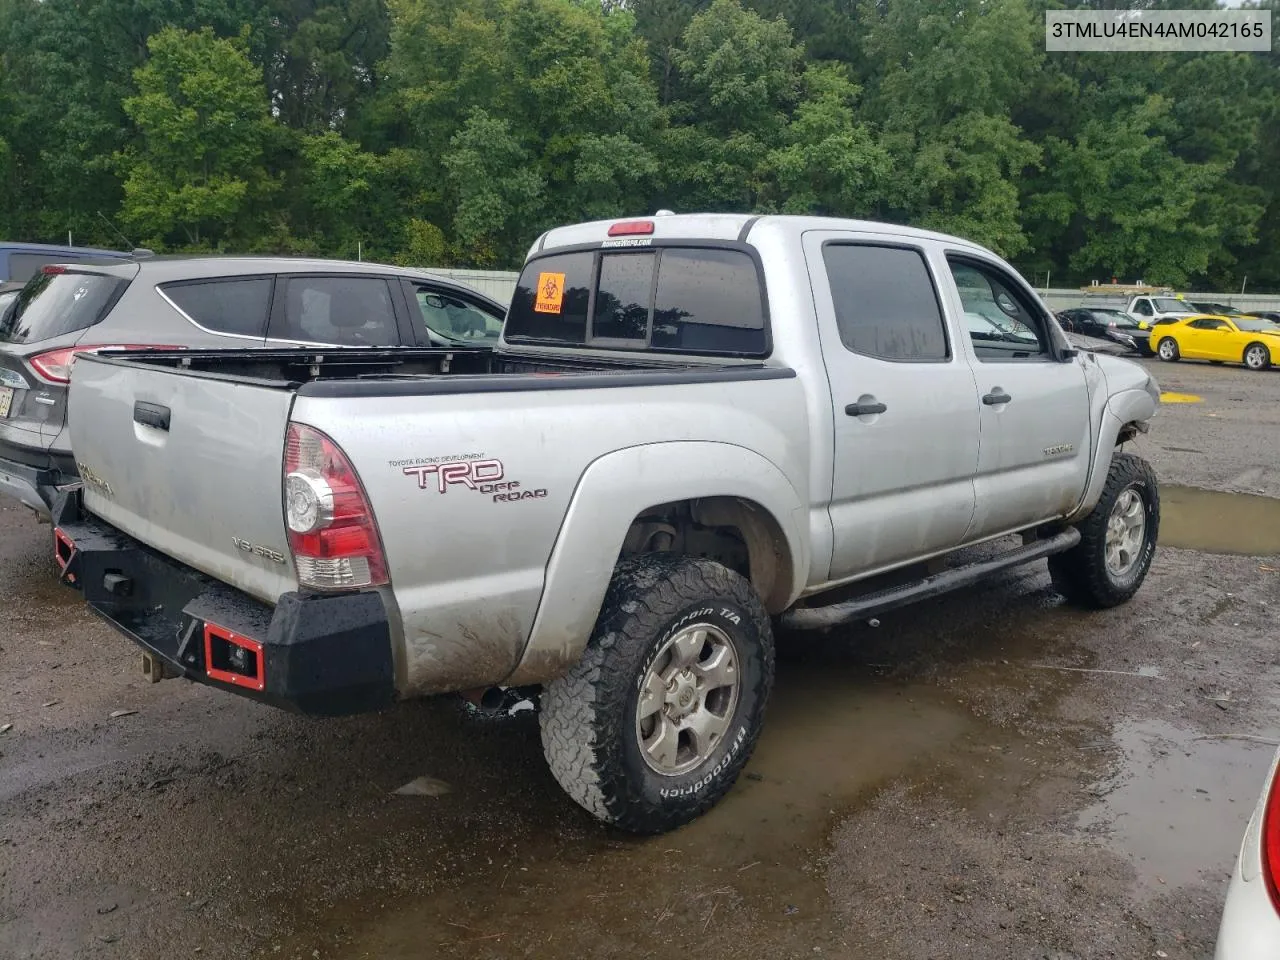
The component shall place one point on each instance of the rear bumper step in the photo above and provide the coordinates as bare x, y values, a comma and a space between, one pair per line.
859, 608
325, 655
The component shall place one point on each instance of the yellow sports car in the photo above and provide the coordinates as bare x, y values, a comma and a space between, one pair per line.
1247, 340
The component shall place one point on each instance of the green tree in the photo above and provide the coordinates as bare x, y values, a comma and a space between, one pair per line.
738, 79
201, 115
945, 117
832, 162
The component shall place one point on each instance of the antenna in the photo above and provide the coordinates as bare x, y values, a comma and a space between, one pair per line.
127, 242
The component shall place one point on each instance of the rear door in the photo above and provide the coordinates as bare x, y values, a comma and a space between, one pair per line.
904, 402
338, 309
189, 464
1034, 407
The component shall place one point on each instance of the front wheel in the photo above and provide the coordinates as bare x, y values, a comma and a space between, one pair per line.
1168, 349
1257, 357
655, 722
1117, 539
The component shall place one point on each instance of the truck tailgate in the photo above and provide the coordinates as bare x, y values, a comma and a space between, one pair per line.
188, 464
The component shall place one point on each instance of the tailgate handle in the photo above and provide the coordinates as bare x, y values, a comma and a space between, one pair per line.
151, 414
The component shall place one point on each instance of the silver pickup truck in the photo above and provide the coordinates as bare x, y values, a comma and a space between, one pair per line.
694, 428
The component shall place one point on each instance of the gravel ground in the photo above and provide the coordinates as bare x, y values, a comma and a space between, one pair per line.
990, 775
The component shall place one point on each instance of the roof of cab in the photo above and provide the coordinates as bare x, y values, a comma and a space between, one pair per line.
732, 226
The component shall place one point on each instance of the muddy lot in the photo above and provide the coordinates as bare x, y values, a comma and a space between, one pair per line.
993, 775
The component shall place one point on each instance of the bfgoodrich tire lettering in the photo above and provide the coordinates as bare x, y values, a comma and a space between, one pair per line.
1083, 574
589, 716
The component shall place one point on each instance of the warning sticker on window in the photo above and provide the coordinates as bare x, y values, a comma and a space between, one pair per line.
550, 297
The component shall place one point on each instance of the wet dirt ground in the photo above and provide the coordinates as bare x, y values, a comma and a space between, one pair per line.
990, 775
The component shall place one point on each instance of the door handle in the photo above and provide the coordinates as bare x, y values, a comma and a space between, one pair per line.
151, 414
864, 409
996, 396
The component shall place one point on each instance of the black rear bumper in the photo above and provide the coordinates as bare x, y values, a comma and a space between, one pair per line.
40, 472
324, 655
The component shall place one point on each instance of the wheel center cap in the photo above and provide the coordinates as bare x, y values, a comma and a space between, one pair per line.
682, 694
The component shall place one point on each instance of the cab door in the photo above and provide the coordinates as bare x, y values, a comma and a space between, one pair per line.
1034, 404
904, 403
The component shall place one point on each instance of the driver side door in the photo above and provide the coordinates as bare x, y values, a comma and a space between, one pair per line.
442, 316
1204, 339
1033, 461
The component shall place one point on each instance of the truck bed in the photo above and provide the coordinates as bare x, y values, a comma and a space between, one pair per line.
365, 372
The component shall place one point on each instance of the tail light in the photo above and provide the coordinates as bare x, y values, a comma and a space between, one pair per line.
1271, 842
332, 533
55, 365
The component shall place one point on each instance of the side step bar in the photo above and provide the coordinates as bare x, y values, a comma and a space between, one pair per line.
859, 608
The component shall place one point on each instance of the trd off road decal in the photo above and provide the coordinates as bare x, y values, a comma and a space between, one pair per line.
484, 476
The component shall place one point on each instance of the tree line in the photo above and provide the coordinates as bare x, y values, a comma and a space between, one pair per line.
454, 131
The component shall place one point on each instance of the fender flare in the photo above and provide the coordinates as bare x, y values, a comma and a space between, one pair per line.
610, 494
1125, 407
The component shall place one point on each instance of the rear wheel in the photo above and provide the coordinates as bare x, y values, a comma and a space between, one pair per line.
1257, 357
1117, 539
1168, 349
655, 722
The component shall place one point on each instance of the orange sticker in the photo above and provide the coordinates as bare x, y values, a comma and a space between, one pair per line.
550, 293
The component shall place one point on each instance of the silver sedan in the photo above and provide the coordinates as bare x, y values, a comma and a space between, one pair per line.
1251, 919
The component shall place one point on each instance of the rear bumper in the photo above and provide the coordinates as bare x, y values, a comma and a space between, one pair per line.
33, 476
326, 655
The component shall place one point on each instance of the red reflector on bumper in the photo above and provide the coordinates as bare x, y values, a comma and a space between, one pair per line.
233, 659
63, 549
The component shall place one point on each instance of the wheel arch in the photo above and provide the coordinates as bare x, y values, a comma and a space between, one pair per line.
716, 486
1125, 415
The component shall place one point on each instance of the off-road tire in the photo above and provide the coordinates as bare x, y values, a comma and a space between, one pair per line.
1174, 353
1260, 352
588, 715
1080, 574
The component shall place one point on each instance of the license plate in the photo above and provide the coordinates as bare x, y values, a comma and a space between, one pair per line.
6, 400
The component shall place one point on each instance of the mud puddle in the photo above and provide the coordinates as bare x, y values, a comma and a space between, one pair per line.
1178, 803
1214, 522
751, 868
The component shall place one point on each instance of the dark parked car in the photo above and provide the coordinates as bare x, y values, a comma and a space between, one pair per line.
1272, 315
1114, 325
22, 261
205, 303
1215, 309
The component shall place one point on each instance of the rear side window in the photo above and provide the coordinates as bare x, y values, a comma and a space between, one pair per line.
701, 300
885, 302
238, 306
54, 304
350, 311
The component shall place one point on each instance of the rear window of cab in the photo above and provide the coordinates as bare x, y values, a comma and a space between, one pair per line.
692, 300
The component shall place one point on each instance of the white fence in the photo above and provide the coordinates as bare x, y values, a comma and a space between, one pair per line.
1062, 299
501, 284
498, 284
